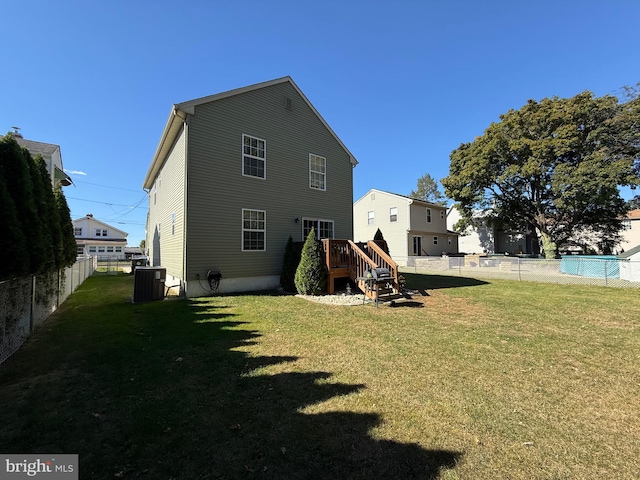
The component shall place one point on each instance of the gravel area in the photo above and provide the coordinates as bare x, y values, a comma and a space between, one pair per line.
338, 299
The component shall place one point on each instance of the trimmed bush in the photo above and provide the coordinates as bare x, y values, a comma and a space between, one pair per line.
289, 266
311, 277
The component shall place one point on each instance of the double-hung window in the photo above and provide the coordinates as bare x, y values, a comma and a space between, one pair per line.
254, 229
254, 157
393, 214
101, 232
317, 172
371, 218
428, 215
77, 231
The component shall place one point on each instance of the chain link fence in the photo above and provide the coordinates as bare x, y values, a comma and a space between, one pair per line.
27, 302
577, 270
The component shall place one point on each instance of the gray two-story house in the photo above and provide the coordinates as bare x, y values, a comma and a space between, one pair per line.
234, 175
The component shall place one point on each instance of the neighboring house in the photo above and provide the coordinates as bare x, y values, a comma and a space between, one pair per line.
50, 154
631, 230
96, 238
411, 227
234, 175
484, 238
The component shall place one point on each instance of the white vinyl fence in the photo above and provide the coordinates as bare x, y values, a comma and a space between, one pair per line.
610, 272
28, 301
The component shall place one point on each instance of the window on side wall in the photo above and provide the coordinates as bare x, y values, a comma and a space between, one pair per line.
371, 218
441, 214
393, 214
77, 231
428, 215
317, 172
435, 240
254, 157
254, 229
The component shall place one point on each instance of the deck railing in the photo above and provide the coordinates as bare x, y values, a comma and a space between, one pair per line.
346, 259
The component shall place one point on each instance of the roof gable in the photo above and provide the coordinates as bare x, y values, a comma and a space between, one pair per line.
409, 200
94, 222
180, 111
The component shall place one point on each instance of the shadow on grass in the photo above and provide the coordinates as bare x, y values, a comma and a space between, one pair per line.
423, 281
167, 390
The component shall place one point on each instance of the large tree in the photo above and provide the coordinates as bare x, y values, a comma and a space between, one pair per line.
552, 168
428, 190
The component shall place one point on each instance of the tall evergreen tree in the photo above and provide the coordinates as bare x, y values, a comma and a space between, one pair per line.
289, 267
13, 245
69, 248
311, 277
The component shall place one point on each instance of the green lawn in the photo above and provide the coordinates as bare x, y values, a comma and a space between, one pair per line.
475, 380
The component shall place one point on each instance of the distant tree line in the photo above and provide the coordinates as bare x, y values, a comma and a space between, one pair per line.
36, 228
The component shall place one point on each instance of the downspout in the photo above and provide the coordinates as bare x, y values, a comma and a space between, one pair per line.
184, 203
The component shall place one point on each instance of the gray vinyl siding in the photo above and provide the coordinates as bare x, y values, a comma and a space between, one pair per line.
427, 230
217, 190
165, 246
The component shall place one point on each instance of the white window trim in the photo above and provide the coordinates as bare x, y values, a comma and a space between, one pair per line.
316, 221
253, 230
428, 216
252, 156
324, 174
392, 214
371, 217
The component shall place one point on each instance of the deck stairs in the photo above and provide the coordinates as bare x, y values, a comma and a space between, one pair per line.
347, 259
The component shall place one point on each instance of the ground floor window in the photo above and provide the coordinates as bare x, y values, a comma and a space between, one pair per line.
323, 228
254, 229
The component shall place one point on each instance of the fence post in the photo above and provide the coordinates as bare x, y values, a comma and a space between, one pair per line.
606, 278
519, 276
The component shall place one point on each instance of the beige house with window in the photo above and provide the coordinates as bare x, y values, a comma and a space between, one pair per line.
96, 238
234, 175
411, 227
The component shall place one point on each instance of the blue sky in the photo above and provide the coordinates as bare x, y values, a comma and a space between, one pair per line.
402, 83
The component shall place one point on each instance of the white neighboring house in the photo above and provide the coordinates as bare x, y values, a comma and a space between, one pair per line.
96, 238
484, 238
411, 227
51, 155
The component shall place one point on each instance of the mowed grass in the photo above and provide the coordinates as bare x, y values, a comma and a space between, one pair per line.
474, 380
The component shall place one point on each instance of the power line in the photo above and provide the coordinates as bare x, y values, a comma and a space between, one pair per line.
108, 203
106, 186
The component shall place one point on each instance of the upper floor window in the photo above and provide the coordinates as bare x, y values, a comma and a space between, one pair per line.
428, 215
92, 249
254, 157
441, 214
626, 225
77, 231
393, 214
371, 218
435, 240
254, 229
317, 172
101, 232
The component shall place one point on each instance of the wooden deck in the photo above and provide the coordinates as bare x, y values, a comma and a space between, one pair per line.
346, 259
